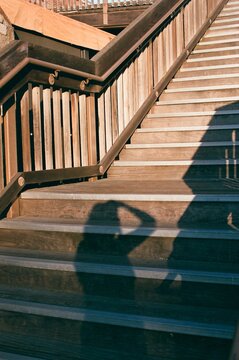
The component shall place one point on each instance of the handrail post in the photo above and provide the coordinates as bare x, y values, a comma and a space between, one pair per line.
105, 12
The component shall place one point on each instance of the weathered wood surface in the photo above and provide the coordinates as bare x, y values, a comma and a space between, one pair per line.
54, 25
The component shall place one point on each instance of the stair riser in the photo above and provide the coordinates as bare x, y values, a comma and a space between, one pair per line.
184, 136
189, 121
205, 72
156, 212
195, 56
204, 94
215, 62
126, 343
173, 172
197, 107
204, 82
190, 153
226, 31
204, 46
168, 291
134, 247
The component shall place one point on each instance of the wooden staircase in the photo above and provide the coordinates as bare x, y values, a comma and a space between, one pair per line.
144, 263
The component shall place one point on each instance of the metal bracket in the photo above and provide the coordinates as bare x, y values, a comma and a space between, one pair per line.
52, 77
84, 83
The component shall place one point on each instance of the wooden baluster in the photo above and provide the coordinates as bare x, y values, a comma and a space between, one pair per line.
10, 150
92, 144
47, 112
57, 125
66, 128
75, 129
179, 33
155, 45
26, 133
126, 96
83, 131
120, 103
114, 111
2, 182
150, 67
101, 123
105, 12
37, 127
108, 119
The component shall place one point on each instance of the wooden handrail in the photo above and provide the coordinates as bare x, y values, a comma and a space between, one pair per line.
84, 89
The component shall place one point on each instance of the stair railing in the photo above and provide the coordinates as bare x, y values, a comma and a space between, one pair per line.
78, 5
64, 118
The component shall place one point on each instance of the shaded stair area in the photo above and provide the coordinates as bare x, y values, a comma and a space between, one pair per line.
143, 264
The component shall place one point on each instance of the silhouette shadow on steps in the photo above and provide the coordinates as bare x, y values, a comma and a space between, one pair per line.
199, 253
116, 292
220, 214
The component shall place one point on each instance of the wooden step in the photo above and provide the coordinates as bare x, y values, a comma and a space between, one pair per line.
214, 45
127, 203
207, 70
185, 134
211, 61
148, 243
197, 105
174, 171
180, 151
213, 52
123, 332
199, 81
215, 91
162, 120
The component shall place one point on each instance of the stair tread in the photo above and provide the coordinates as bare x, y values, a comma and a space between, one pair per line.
107, 186
71, 225
183, 145
166, 324
189, 128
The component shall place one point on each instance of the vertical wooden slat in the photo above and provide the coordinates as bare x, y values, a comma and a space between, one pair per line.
57, 126
155, 60
114, 112
126, 95
47, 112
108, 119
66, 129
92, 146
37, 130
101, 124
150, 67
10, 142
83, 131
25, 126
120, 102
1, 155
75, 129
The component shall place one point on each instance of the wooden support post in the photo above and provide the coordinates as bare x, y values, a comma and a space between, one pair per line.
10, 141
105, 12
91, 130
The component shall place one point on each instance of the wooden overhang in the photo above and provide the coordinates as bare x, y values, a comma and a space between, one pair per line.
25, 16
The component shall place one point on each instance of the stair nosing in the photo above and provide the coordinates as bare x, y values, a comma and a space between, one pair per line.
225, 162
205, 77
201, 88
231, 99
182, 145
212, 58
189, 128
120, 319
193, 113
39, 224
214, 42
139, 272
210, 67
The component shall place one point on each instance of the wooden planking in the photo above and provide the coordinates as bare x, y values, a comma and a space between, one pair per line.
10, 142
48, 145
25, 128
75, 130
57, 125
114, 112
66, 117
108, 121
91, 129
2, 179
83, 131
37, 127
120, 103
101, 125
